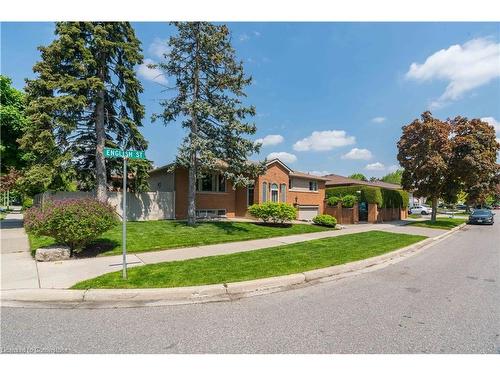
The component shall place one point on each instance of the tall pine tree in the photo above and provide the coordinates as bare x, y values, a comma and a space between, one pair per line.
208, 102
86, 97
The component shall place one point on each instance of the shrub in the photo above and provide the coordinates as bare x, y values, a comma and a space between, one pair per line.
273, 211
325, 220
27, 203
349, 200
72, 222
333, 201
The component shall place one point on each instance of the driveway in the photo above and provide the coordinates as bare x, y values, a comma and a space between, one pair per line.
445, 299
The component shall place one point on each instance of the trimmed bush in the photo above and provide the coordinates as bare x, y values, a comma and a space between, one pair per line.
273, 212
27, 203
71, 222
325, 220
349, 201
333, 201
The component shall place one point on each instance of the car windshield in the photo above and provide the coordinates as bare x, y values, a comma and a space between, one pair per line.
481, 212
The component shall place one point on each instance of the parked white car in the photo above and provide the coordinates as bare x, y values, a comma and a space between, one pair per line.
420, 209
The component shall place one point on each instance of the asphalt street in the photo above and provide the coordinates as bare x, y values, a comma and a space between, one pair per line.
446, 299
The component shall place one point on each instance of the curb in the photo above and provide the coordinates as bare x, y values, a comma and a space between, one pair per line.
117, 298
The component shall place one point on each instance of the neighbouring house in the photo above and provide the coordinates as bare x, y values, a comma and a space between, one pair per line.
216, 197
367, 209
337, 180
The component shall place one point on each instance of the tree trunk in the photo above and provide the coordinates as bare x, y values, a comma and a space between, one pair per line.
192, 190
100, 163
192, 172
434, 209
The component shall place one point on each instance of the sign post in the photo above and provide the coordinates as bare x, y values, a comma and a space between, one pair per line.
124, 154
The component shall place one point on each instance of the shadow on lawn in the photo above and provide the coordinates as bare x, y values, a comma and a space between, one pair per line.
96, 248
226, 226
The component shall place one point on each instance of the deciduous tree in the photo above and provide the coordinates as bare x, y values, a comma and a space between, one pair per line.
12, 123
473, 163
425, 151
394, 177
358, 176
208, 101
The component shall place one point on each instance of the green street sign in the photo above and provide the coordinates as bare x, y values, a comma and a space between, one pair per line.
117, 153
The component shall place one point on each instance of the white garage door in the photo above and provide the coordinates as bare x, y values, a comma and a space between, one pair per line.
308, 212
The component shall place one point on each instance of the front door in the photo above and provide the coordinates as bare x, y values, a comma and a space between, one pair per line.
363, 211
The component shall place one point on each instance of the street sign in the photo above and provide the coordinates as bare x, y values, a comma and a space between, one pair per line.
117, 153
125, 154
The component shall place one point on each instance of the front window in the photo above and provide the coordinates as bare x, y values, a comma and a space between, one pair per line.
264, 192
274, 192
313, 186
207, 183
283, 192
211, 183
221, 183
250, 193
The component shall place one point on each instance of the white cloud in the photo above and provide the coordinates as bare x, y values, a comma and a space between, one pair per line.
375, 167
159, 48
393, 168
151, 74
319, 173
465, 67
358, 154
324, 141
270, 140
493, 122
285, 157
378, 120
243, 37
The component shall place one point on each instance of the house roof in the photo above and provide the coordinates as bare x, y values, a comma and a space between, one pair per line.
337, 180
290, 171
308, 175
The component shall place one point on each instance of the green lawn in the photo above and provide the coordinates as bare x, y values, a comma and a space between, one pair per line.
440, 223
167, 234
256, 264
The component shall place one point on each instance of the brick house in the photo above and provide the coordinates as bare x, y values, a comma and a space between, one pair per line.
216, 197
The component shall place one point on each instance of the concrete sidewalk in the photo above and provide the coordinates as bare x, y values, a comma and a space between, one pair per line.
64, 274
19, 269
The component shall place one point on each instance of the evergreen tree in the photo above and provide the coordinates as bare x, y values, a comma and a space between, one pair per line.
85, 97
208, 101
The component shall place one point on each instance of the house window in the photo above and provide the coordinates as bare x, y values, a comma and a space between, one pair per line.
250, 193
211, 183
274, 192
206, 183
290, 183
283, 192
209, 213
264, 192
221, 183
313, 186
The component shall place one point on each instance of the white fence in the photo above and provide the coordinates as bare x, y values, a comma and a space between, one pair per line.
158, 205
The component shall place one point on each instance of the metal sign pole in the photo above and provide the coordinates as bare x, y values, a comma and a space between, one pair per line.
124, 218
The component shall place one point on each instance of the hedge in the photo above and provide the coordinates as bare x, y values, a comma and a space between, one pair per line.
385, 198
369, 194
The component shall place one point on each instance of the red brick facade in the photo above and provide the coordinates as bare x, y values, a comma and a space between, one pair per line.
235, 202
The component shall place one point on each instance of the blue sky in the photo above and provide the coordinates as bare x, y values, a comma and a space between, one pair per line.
331, 96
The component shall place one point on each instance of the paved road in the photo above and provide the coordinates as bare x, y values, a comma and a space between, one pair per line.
443, 300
